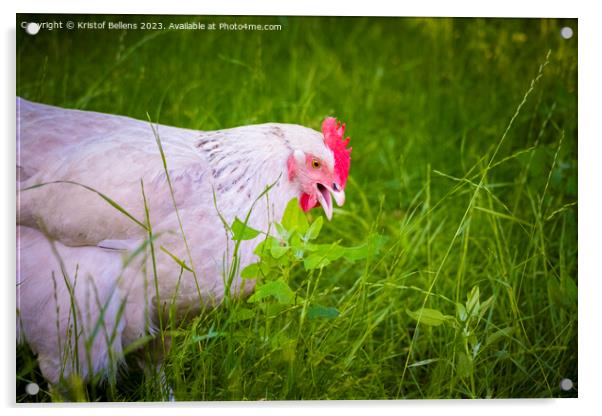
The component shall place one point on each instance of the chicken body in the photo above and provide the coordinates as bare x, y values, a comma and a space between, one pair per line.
86, 287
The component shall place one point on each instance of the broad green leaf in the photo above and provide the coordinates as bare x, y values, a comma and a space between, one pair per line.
297, 246
284, 233
315, 261
367, 249
463, 365
322, 312
356, 253
498, 335
294, 218
485, 306
314, 229
252, 271
461, 312
278, 248
277, 289
314, 247
271, 309
431, 317
282, 261
242, 314
475, 349
242, 231
472, 302
323, 254
331, 251
262, 248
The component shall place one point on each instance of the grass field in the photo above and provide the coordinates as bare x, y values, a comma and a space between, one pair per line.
464, 135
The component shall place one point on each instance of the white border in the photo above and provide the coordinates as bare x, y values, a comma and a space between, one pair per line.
590, 186
507, 8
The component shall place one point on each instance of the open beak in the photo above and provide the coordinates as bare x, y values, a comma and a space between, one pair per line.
325, 196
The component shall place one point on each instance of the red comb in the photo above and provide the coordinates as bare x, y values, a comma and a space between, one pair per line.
333, 137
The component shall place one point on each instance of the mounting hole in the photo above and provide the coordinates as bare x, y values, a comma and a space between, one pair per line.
566, 32
32, 28
32, 389
566, 384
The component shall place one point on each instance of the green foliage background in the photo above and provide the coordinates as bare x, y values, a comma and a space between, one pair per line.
473, 204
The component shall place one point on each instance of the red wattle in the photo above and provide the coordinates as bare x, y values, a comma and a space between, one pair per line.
307, 202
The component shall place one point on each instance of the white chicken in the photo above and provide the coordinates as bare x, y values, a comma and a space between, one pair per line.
79, 303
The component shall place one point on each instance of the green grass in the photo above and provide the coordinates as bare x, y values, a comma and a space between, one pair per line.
464, 135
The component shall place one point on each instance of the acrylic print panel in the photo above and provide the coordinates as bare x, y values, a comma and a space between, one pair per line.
220, 208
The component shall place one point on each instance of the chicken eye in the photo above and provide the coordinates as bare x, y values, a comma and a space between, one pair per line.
315, 163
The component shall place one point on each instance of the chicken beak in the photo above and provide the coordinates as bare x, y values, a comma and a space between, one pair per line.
325, 200
339, 197
325, 196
